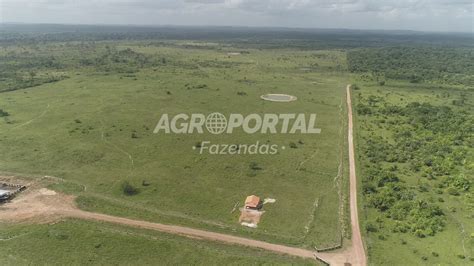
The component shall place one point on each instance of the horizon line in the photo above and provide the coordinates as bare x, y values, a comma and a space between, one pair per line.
234, 26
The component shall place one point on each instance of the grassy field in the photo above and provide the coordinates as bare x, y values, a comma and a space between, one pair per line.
387, 245
80, 129
75, 242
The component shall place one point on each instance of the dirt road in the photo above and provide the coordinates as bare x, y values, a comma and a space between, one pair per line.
44, 206
357, 244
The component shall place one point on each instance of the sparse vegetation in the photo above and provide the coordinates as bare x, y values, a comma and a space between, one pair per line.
410, 151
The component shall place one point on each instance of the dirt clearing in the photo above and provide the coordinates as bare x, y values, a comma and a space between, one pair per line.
250, 218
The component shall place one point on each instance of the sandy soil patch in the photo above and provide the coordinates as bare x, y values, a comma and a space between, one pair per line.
275, 97
250, 218
39, 205
47, 192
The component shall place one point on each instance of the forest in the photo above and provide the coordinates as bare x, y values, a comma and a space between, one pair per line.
448, 65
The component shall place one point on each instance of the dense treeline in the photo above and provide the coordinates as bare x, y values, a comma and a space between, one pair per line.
415, 63
427, 141
122, 61
23, 70
239, 36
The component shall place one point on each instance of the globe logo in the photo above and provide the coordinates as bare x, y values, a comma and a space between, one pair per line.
216, 123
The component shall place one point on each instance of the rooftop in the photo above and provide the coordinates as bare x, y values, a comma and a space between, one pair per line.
252, 201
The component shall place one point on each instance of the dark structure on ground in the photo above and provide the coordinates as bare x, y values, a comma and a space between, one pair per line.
8, 191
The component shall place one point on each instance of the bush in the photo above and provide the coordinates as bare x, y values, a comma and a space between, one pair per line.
3, 113
452, 191
370, 227
419, 233
460, 182
128, 189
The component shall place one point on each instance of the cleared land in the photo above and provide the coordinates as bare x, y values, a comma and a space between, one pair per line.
46, 205
93, 130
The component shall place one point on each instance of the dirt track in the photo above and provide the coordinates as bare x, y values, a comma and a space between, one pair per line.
359, 257
42, 205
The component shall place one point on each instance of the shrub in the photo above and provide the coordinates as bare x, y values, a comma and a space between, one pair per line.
255, 166
3, 113
459, 182
452, 191
370, 227
419, 233
128, 189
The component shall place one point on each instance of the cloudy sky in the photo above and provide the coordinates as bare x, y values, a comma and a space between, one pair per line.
427, 15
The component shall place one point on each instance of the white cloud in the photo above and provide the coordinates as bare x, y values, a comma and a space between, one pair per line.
389, 14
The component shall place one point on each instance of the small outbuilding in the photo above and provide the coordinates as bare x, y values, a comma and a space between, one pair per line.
252, 202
